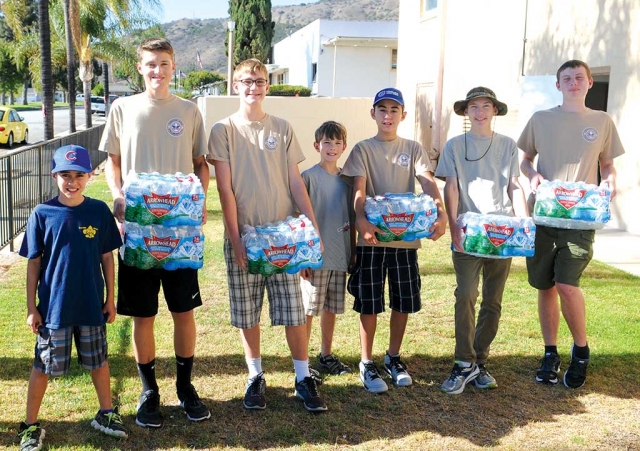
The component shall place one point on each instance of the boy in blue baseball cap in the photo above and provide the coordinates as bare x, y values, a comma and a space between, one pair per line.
69, 242
383, 164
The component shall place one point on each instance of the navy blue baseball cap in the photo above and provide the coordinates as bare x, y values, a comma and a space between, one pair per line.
71, 158
389, 94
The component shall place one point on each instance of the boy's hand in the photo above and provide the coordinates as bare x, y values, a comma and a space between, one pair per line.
305, 273
109, 312
439, 227
118, 208
536, 179
367, 231
456, 236
240, 254
34, 321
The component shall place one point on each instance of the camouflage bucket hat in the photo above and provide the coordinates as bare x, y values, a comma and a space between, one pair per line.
477, 93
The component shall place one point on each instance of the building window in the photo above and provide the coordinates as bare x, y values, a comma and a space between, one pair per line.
429, 5
394, 58
314, 71
281, 79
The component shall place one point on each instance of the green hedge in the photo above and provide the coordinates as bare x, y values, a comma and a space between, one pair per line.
289, 91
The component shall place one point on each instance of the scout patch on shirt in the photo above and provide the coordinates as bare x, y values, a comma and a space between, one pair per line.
403, 160
498, 235
175, 127
590, 134
271, 142
89, 231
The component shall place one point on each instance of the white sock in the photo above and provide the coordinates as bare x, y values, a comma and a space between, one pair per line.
254, 365
302, 369
464, 364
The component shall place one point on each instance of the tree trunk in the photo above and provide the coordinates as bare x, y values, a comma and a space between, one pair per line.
25, 90
71, 69
46, 72
11, 98
105, 82
86, 75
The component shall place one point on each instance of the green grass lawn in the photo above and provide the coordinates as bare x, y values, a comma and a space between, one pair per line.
518, 415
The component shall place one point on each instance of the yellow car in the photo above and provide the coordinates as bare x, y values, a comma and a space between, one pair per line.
12, 127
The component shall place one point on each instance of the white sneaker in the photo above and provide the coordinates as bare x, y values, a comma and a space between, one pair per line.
371, 379
395, 368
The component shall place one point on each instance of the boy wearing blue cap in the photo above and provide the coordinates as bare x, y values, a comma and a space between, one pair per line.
383, 164
69, 242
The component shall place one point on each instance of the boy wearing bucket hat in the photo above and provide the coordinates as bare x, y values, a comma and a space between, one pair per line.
570, 142
481, 172
383, 164
69, 242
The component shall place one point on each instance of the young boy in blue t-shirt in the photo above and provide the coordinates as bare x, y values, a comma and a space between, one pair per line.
69, 242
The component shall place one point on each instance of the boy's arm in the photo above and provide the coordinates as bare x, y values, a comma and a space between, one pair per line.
608, 174
367, 230
301, 197
451, 199
113, 174
428, 184
108, 272
516, 194
34, 319
201, 169
230, 211
527, 169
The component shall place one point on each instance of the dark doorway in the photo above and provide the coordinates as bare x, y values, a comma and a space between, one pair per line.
597, 99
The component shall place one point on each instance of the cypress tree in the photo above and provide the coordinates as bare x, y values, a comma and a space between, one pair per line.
254, 29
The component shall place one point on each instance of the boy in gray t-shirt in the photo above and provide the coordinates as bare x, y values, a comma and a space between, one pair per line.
324, 289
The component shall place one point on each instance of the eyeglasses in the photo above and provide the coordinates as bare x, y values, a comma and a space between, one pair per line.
249, 82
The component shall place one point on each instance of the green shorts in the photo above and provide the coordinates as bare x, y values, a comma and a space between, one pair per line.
561, 257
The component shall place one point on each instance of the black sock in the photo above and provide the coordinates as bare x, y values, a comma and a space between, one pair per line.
581, 352
184, 365
147, 372
548, 349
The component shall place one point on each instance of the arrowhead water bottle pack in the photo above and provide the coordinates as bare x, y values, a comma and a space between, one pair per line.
572, 205
402, 217
163, 221
286, 246
497, 236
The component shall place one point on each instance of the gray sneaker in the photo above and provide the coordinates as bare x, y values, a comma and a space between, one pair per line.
395, 368
30, 437
371, 379
484, 379
459, 378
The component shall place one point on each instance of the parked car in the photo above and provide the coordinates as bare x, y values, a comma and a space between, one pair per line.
12, 127
97, 105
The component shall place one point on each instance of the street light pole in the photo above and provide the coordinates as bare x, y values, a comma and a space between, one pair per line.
231, 25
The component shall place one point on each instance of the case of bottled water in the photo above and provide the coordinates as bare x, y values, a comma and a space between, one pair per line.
497, 236
572, 205
286, 246
168, 248
401, 216
164, 199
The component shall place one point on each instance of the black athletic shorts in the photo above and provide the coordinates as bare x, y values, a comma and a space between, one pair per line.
138, 290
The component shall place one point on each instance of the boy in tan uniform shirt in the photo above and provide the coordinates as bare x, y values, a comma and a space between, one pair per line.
256, 158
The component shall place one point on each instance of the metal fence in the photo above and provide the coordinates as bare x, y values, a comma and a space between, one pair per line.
25, 179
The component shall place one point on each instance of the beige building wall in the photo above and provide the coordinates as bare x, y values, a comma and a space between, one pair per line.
305, 115
466, 43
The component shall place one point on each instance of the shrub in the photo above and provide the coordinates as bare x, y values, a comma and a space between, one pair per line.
289, 91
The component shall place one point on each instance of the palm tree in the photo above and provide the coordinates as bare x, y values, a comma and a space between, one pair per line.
69, 9
46, 73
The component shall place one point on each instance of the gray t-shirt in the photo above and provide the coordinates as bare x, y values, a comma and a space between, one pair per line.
482, 184
331, 198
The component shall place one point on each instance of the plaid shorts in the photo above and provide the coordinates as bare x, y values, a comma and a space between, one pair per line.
366, 284
324, 291
246, 293
53, 348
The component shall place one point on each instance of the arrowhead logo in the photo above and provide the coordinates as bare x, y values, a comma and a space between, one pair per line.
498, 235
160, 205
160, 248
398, 223
280, 256
569, 198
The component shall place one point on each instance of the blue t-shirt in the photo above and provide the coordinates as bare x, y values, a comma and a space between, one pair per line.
71, 241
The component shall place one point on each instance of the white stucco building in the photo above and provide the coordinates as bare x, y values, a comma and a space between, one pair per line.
336, 58
515, 47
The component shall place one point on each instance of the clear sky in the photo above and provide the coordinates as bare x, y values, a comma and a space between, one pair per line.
207, 9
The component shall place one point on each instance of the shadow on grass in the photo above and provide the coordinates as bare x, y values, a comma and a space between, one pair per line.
355, 416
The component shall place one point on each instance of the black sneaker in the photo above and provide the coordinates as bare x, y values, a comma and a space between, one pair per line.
575, 376
190, 402
308, 392
315, 375
333, 365
254, 396
549, 367
148, 415
110, 423
30, 437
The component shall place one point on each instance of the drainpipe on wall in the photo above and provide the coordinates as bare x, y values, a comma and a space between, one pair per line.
524, 39
443, 22
335, 53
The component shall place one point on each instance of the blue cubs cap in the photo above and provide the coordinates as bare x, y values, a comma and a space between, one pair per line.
389, 94
71, 158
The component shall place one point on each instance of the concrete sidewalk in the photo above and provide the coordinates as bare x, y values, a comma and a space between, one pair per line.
619, 249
